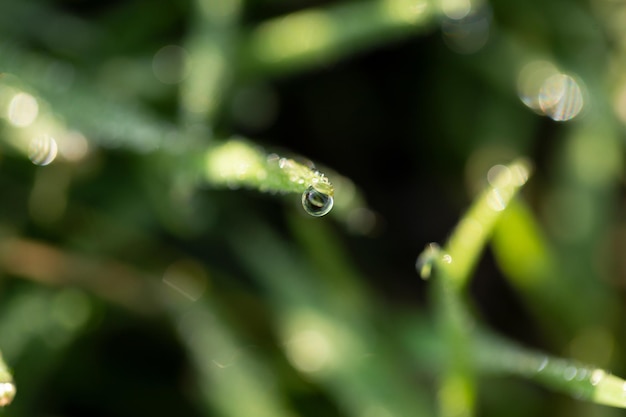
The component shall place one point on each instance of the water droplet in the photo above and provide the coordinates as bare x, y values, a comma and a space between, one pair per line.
596, 377
496, 200
582, 374
542, 365
316, 203
569, 373
425, 260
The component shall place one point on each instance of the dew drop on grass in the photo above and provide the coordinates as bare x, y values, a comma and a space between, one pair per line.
426, 259
316, 203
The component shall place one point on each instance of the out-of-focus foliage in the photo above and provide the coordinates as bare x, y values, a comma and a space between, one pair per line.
152, 265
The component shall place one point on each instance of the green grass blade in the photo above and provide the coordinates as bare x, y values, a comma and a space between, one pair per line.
210, 46
232, 382
453, 265
470, 235
237, 163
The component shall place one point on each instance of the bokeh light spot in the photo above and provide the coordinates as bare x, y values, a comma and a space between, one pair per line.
496, 200
294, 35
455, 9
170, 64
499, 171
308, 350
23, 110
71, 308
468, 34
530, 81
409, 11
73, 146
42, 150
7, 393
561, 98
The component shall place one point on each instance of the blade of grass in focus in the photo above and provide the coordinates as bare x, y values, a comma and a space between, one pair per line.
452, 267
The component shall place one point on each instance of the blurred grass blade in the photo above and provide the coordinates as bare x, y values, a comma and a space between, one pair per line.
338, 350
107, 122
457, 381
210, 46
523, 255
316, 36
232, 382
37, 326
578, 380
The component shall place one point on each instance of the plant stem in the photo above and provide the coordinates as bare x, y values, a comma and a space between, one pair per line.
471, 233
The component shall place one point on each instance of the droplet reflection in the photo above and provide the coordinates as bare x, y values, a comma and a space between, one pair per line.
544, 89
426, 259
597, 376
569, 373
496, 200
23, 110
309, 351
42, 150
316, 203
171, 64
530, 81
561, 98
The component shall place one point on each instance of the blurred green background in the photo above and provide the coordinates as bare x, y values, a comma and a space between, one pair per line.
131, 285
